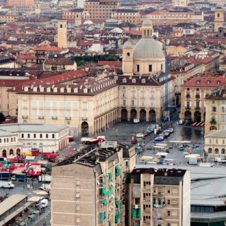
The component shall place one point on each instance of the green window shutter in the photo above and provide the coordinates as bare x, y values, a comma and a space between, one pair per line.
134, 213
117, 170
105, 202
104, 191
139, 213
110, 176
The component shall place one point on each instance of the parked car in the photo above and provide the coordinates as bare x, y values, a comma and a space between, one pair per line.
6, 184
166, 133
171, 130
140, 135
159, 138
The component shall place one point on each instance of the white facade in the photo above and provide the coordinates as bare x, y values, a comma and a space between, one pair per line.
19, 138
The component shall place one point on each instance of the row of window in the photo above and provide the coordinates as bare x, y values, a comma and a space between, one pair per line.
28, 135
216, 151
7, 140
216, 141
149, 67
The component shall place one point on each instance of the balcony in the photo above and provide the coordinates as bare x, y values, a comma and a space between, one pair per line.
67, 118
54, 117
24, 117
188, 95
41, 117
188, 108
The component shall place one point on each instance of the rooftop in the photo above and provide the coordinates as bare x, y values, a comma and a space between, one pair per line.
29, 127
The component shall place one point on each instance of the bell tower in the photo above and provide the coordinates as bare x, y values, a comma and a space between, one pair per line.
218, 19
127, 63
62, 34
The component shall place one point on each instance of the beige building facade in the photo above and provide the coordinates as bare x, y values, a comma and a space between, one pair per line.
159, 197
127, 16
215, 110
194, 91
166, 17
101, 9
85, 110
215, 144
90, 191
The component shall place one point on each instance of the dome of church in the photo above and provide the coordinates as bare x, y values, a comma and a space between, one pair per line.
148, 48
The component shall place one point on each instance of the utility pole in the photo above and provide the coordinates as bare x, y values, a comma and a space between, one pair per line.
166, 107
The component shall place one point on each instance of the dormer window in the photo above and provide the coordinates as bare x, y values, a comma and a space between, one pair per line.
198, 82
143, 80
133, 80
218, 82
124, 80
208, 82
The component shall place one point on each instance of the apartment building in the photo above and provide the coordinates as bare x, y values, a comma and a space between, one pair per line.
193, 95
159, 197
21, 2
101, 9
216, 110
89, 189
127, 16
174, 16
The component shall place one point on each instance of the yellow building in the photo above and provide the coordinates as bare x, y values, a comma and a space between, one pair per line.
219, 19
216, 110
87, 108
93, 104
62, 34
194, 91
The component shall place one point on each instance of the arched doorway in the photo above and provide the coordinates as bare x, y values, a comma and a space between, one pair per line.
18, 151
187, 117
11, 152
197, 116
85, 129
152, 116
124, 115
4, 153
142, 115
133, 114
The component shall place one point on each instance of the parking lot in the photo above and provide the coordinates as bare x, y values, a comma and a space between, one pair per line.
122, 132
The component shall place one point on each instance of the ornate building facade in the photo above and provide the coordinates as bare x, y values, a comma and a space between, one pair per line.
91, 105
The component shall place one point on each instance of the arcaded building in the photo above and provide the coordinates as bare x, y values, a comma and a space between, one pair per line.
90, 105
142, 88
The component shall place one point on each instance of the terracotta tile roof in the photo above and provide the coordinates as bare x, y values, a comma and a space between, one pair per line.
85, 43
10, 82
132, 32
47, 48
110, 63
59, 61
208, 81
